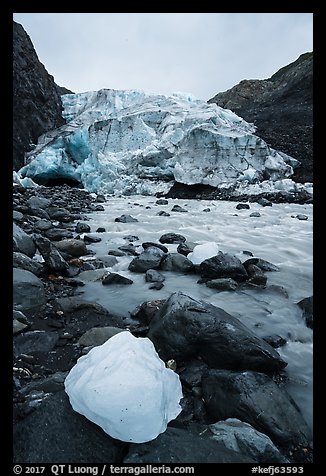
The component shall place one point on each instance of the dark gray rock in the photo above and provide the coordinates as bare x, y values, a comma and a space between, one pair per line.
261, 263
22, 242
223, 265
264, 202
60, 214
129, 249
275, 341
98, 335
149, 244
243, 206
156, 286
255, 398
153, 276
28, 292
35, 341
115, 278
177, 445
145, 312
68, 436
51, 255
177, 262
126, 219
256, 275
100, 229
172, 238
177, 208
25, 262
82, 228
75, 248
243, 438
131, 238
185, 328
206, 210
58, 234
42, 225
92, 239
186, 248
222, 284
107, 261
17, 216
306, 305
37, 106
255, 215
150, 259
51, 384
162, 213
193, 372
162, 201
300, 216
38, 202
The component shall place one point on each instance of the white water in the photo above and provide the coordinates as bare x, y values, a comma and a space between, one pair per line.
277, 236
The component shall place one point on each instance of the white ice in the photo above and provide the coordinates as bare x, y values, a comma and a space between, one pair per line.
124, 387
114, 139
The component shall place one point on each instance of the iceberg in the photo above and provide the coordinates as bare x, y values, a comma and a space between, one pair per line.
121, 141
124, 387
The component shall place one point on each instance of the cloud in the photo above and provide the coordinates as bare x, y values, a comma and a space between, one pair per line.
202, 53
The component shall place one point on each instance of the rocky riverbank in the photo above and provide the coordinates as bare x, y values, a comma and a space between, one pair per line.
227, 372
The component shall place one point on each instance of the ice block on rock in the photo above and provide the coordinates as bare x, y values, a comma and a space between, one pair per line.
124, 387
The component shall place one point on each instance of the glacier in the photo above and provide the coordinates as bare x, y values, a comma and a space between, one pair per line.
128, 142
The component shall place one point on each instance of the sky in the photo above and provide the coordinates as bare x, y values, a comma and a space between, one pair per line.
197, 53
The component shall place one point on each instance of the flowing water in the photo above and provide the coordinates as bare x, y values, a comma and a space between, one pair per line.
276, 236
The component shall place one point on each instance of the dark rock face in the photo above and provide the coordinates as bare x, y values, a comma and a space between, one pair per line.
306, 305
281, 108
223, 265
185, 328
176, 445
36, 100
256, 399
69, 436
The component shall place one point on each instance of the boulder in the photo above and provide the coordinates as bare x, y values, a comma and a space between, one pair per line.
98, 335
72, 247
58, 234
115, 278
82, 228
150, 244
50, 253
186, 247
256, 399
177, 208
223, 265
261, 263
35, 341
28, 292
23, 261
153, 276
126, 219
177, 262
38, 202
185, 328
149, 259
22, 242
306, 305
66, 436
177, 445
243, 438
222, 284
172, 238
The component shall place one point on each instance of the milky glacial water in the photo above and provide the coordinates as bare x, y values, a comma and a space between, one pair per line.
276, 236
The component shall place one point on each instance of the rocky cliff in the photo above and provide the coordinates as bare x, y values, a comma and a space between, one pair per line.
36, 97
281, 109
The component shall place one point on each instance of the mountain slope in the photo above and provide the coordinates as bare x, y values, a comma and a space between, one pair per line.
281, 108
36, 98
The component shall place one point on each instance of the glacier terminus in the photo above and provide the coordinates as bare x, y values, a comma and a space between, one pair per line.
126, 141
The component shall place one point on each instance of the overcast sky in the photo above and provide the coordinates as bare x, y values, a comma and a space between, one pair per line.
200, 53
